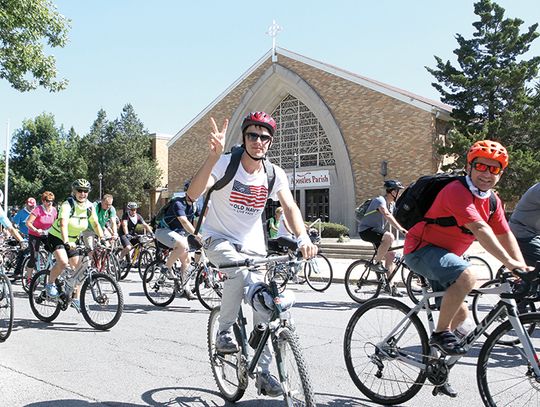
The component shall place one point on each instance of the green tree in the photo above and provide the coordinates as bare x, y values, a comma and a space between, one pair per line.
121, 151
492, 92
43, 157
25, 27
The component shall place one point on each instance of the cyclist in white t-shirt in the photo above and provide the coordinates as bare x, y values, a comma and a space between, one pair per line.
233, 229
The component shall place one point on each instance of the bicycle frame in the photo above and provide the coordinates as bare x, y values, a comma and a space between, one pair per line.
508, 304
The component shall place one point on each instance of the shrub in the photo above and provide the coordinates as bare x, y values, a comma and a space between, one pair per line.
334, 230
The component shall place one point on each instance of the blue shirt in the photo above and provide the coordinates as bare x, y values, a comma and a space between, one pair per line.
179, 208
20, 220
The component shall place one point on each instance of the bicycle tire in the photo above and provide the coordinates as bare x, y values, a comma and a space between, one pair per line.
124, 266
481, 269
102, 302
145, 258
224, 367
483, 303
516, 385
40, 303
362, 283
279, 274
414, 289
6, 307
362, 344
158, 288
43, 258
209, 287
112, 266
319, 273
293, 371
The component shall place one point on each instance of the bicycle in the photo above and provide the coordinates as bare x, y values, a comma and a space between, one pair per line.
44, 261
318, 272
101, 299
390, 361
104, 261
141, 255
161, 287
6, 305
362, 283
232, 371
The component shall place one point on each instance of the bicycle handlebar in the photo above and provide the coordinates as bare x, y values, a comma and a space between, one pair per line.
253, 262
529, 282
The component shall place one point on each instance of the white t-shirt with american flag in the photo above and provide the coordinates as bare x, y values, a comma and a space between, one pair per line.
235, 211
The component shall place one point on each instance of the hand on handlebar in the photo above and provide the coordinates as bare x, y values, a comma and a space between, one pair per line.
309, 250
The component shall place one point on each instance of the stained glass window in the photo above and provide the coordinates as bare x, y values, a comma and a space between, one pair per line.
299, 131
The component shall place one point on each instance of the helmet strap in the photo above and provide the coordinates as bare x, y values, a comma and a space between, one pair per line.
250, 156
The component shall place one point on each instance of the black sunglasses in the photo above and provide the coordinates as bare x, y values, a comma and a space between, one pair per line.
254, 136
82, 190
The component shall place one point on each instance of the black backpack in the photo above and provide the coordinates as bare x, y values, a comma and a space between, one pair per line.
418, 197
71, 202
236, 155
159, 219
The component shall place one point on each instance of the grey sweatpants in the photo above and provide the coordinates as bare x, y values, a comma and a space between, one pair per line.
220, 251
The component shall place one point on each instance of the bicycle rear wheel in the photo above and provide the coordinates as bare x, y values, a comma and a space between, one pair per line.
209, 287
380, 366
361, 282
483, 303
225, 368
158, 288
293, 372
6, 307
504, 374
414, 288
44, 308
319, 273
102, 301
481, 269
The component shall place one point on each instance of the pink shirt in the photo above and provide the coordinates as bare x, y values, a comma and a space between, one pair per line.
43, 219
457, 201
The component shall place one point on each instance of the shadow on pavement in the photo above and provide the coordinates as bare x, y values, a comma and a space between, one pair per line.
80, 403
19, 324
322, 305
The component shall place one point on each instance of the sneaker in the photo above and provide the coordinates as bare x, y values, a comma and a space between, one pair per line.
225, 343
76, 304
268, 385
378, 267
394, 292
52, 291
445, 389
447, 343
188, 294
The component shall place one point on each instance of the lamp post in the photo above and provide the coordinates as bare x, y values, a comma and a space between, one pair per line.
100, 176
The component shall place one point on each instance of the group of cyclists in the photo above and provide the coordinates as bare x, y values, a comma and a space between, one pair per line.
233, 230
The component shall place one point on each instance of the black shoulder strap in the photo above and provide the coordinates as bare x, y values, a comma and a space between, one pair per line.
236, 155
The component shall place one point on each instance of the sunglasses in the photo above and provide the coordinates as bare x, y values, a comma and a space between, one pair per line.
254, 136
48, 201
480, 167
82, 190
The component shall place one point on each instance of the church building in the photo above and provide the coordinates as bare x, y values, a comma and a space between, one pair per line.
344, 133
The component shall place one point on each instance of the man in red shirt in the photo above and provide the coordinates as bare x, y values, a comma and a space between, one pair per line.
435, 251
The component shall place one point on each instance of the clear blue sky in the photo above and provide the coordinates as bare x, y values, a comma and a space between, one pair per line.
170, 59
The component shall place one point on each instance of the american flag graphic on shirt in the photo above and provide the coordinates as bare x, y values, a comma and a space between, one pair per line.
248, 195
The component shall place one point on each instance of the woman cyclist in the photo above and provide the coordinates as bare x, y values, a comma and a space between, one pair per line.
38, 223
73, 218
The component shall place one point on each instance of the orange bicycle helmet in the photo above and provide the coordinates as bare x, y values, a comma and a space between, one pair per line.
488, 149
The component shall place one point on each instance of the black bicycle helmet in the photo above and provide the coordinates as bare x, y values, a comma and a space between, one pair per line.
393, 185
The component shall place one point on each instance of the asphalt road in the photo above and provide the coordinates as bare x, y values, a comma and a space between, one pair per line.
159, 357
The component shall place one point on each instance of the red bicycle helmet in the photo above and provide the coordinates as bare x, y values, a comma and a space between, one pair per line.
259, 119
488, 149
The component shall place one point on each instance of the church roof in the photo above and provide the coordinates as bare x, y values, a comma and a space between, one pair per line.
418, 101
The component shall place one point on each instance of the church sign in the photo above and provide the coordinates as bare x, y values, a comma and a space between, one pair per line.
310, 179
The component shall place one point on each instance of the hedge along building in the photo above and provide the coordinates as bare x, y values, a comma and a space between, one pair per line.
347, 133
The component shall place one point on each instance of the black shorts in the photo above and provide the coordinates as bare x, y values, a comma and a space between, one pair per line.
370, 235
54, 243
132, 241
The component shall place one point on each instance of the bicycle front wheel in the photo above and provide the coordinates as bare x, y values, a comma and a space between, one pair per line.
158, 288
45, 308
209, 287
102, 301
6, 307
145, 258
361, 282
293, 372
504, 374
319, 273
380, 365
225, 367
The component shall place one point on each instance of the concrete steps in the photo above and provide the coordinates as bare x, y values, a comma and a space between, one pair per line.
355, 249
